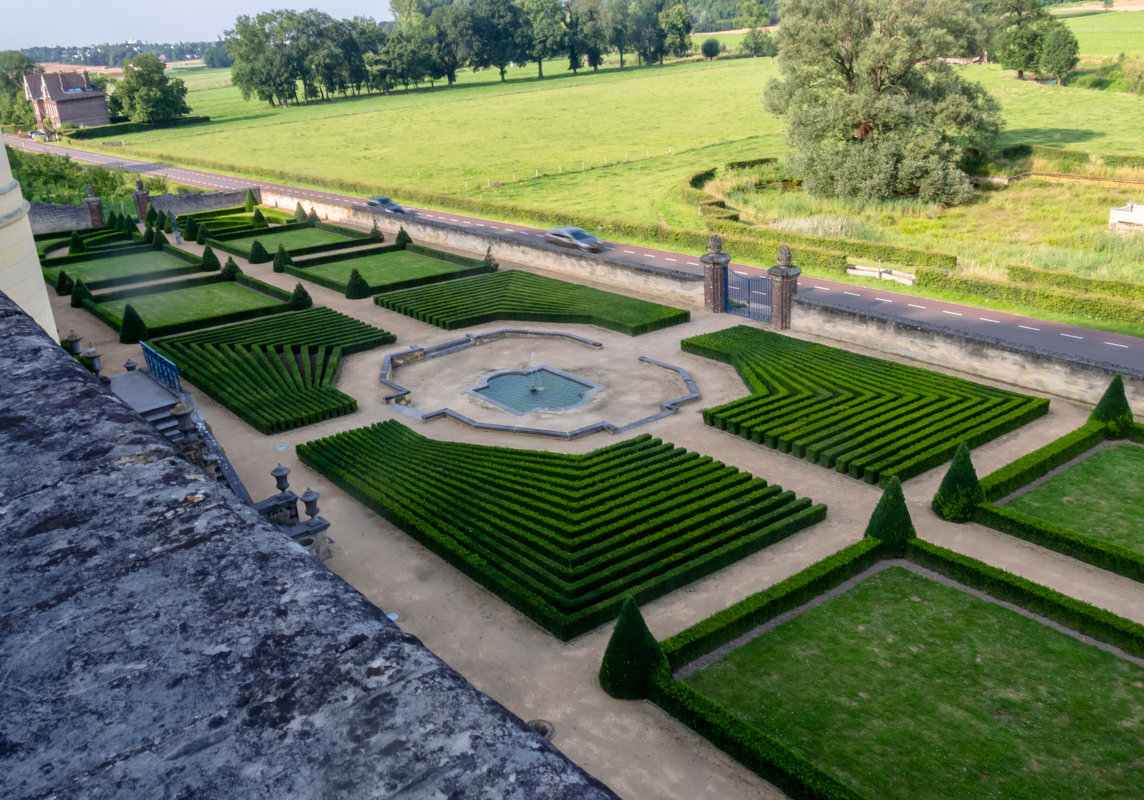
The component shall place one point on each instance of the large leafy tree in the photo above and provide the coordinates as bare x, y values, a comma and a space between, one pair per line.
1060, 52
545, 18
15, 108
871, 108
675, 22
1020, 26
500, 35
146, 94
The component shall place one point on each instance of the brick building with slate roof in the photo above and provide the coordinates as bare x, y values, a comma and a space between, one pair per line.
66, 97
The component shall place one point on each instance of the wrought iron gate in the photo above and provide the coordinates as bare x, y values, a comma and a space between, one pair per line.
748, 295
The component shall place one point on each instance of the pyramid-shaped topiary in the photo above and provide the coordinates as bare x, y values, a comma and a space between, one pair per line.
356, 287
258, 254
633, 656
169, 223
64, 283
960, 491
133, 329
891, 521
299, 213
1113, 409
300, 299
79, 293
158, 240
313, 216
210, 260
202, 234
230, 270
402, 238
375, 233
149, 219
258, 219
249, 202
148, 235
75, 244
281, 258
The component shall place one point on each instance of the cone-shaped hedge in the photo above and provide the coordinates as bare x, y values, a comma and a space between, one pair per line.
250, 202
158, 240
149, 219
127, 225
79, 293
64, 284
891, 521
202, 234
258, 254
403, 238
375, 233
313, 217
258, 219
1113, 409
488, 260
75, 245
169, 223
210, 260
148, 235
356, 287
299, 213
960, 492
231, 271
191, 228
632, 657
281, 258
300, 299
112, 221
133, 329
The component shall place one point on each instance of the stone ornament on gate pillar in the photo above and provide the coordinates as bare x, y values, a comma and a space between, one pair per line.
715, 275
784, 286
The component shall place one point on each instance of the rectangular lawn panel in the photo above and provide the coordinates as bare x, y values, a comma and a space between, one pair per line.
387, 271
275, 373
865, 416
904, 688
97, 271
290, 239
516, 295
563, 538
180, 306
1101, 496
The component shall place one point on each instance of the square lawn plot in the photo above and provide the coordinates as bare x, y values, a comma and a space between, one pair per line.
299, 237
386, 269
1100, 496
905, 688
133, 264
197, 302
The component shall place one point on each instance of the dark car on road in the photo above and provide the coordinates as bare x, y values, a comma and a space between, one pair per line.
573, 237
385, 204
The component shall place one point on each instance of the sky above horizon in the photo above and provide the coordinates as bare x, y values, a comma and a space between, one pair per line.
84, 22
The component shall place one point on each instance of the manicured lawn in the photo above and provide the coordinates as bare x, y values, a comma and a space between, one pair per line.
382, 269
907, 689
1102, 496
298, 237
197, 302
122, 266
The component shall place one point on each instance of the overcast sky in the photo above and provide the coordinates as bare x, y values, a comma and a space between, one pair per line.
80, 22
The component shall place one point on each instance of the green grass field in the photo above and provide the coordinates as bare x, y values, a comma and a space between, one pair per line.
194, 303
1101, 497
908, 689
1106, 35
298, 237
385, 269
133, 264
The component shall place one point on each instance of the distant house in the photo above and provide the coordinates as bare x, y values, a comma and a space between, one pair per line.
66, 97
1127, 219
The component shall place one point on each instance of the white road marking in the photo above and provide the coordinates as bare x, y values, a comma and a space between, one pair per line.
852, 294
665, 258
1028, 328
883, 300
823, 288
1071, 336
1116, 344
648, 255
952, 313
914, 305
694, 264
633, 252
986, 319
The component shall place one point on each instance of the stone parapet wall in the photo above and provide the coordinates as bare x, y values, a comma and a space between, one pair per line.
52, 218
991, 358
666, 284
200, 201
159, 638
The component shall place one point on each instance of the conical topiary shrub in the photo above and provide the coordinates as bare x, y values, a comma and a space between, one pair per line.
299, 213
258, 219
169, 223
258, 254
79, 293
148, 235
249, 202
356, 287
158, 240
210, 260
133, 330
375, 233
127, 225
402, 238
230, 271
1113, 409
191, 229
488, 260
281, 258
64, 283
633, 656
313, 217
202, 234
75, 244
112, 221
149, 219
960, 491
300, 299
891, 521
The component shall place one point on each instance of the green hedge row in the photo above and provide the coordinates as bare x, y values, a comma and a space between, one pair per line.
516, 295
1041, 462
563, 538
127, 248
857, 414
472, 266
1079, 302
1078, 157
124, 128
1079, 283
276, 374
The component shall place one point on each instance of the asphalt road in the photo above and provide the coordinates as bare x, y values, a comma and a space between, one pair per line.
1118, 351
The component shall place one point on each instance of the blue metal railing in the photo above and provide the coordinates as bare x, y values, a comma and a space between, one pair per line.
162, 368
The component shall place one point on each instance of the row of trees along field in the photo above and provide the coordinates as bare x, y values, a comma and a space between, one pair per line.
276, 51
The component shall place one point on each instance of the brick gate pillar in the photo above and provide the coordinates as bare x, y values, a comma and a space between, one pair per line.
94, 208
142, 199
784, 286
715, 275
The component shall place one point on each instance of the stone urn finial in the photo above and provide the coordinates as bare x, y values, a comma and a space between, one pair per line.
90, 190
783, 257
715, 244
138, 184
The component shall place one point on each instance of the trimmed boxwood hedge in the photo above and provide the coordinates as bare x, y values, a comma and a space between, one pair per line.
472, 266
563, 538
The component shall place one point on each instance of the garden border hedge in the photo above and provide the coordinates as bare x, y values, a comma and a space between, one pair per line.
475, 267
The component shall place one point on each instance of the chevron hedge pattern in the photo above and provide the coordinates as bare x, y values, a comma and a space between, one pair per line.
563, 538
275, 373
860, 415
516, 295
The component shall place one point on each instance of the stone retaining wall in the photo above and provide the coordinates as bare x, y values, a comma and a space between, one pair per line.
985, 356
49, 218
200, 201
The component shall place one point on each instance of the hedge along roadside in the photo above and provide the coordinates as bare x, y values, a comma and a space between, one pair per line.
1068, 280
123, 128
1080, 303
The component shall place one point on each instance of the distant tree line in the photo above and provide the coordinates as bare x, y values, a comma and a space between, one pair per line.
112, 55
